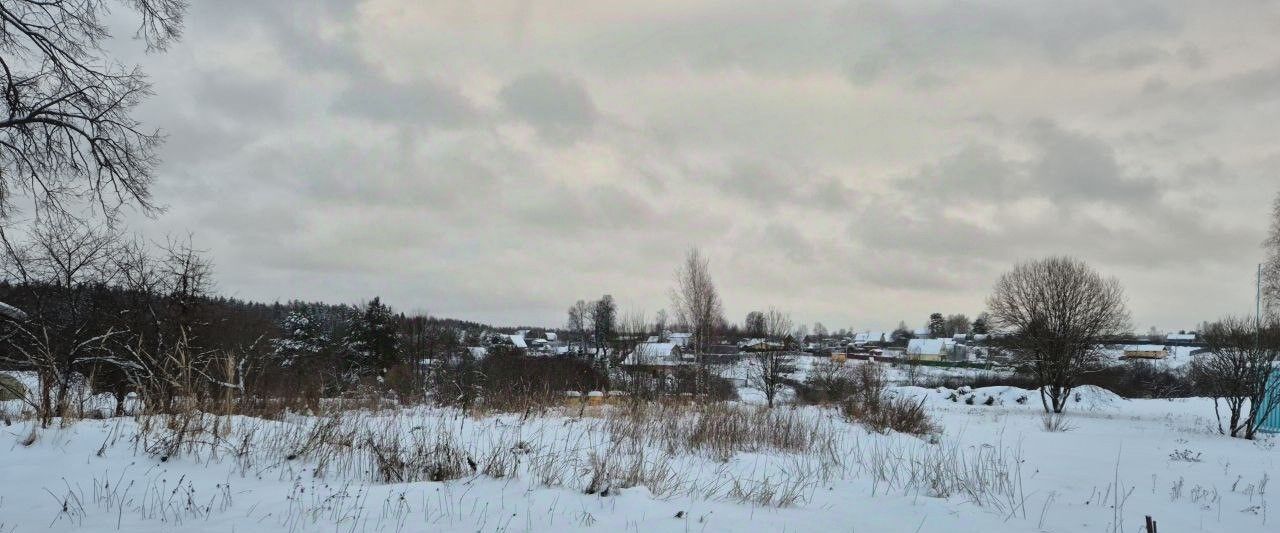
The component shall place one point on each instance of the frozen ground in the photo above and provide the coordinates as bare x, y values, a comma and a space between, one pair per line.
994, 468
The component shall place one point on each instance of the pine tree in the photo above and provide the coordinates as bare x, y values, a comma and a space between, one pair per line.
902, 334
981, 325
373, 339
937, 326
302, 338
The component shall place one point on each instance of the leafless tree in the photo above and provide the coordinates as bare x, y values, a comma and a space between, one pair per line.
696, 301
697, 305
1055, 311
632, 328
754, 325
62, 335
660, 324
957, 325
1271, 268
773, 364
579, 314
68, 131
1236, 370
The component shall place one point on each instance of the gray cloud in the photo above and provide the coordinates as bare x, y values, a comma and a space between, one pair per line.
773, 184
422, 102
558, 107
859, 162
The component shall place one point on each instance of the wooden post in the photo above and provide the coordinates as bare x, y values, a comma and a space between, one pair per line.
1151, 525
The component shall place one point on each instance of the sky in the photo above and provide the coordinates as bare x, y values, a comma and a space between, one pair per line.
855, 163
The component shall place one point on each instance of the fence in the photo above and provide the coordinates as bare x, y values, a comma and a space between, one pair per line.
1271, 423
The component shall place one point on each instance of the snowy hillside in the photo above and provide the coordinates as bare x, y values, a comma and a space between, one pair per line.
993, 468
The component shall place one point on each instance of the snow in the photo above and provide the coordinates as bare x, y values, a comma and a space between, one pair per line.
927, 346
872, 337
1126, 458
653, 353
12, 312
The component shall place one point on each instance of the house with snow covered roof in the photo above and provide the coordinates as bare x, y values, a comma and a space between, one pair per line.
872, 337
650, 354
1145, 351
680, 339
930, 349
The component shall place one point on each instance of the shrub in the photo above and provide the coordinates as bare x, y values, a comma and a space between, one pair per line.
902, 415
870, 405
827, 382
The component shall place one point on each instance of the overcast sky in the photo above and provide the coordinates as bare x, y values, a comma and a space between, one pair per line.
855, 163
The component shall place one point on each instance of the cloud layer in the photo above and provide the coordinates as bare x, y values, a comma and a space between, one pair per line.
858, 163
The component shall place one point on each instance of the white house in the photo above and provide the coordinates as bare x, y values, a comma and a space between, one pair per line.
1145, 351
680, 339
872, 337
654, 354
929, 349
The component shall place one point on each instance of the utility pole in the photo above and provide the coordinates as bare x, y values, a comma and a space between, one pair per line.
1257, 317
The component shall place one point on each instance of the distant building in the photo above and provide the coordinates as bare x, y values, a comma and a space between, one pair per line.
655, 354
680, 339
929, 349
1145, 351
872, 337
936, 350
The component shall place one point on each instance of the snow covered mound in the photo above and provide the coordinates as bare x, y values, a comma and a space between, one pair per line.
1095, 398
1084, 398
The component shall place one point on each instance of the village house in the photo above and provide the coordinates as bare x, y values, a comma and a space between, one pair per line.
1145, 351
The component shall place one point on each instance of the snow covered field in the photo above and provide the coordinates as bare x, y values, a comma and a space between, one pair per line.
674, 468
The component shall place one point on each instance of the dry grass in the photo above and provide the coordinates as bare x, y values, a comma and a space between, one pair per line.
871, 406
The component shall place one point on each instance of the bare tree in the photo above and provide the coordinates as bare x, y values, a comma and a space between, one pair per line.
632, 328
579, 313
62, 334
1054, 312
773, 364
68, 130
660, 324
697, 305
754, 326
1236, 370
820, 331
957, 325
696, 301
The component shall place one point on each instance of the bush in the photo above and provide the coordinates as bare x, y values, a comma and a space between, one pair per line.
899, 414
827, 382
1138, 379
870, 405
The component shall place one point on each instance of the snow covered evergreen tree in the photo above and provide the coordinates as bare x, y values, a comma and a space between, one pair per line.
373, 340
302, 338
